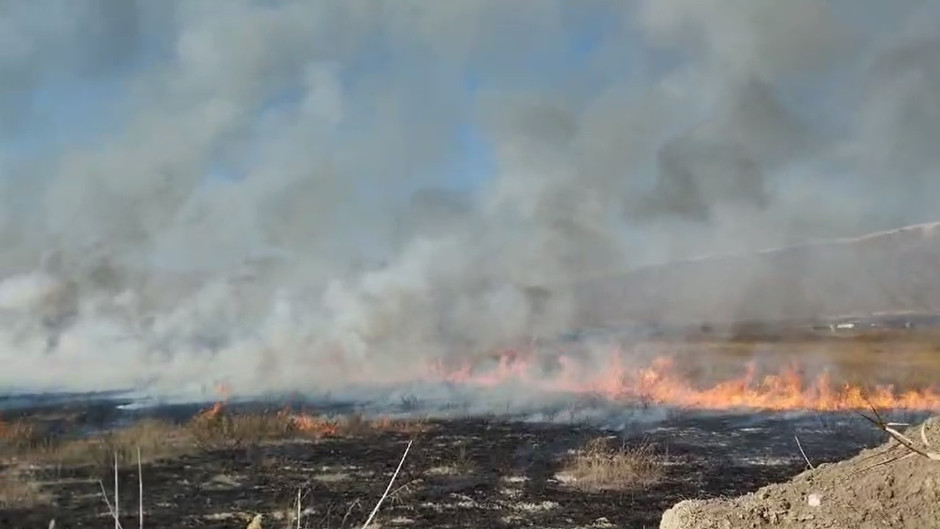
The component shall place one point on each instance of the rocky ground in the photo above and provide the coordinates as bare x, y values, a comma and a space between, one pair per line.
458, 473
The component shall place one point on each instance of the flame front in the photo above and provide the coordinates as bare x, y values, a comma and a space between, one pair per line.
661, 383
311, 424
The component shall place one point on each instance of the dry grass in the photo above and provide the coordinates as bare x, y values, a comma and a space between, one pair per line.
19, 491
223, 430
156, 440
24, 444
598, 466
215, 429
355, 425
856, 359
20, 436
25, 441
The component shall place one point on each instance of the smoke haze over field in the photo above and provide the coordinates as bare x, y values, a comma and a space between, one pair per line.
288, 194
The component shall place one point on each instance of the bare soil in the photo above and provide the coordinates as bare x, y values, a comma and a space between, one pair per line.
877, 488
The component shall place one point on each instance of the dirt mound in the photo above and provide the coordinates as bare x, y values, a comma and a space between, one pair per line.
855, 493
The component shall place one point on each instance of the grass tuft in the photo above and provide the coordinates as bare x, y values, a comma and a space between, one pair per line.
20, 436
598, 466
211, 430
19, 491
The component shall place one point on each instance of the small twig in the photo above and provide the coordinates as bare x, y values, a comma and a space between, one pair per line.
329, 512
888, 461
375, 510
800, 446
882, 463
104, 496
348, 511
406, 487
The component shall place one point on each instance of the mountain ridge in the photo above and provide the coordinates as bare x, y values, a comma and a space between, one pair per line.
889, 271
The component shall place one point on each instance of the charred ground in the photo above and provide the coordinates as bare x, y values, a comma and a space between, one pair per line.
463, 471
472, 472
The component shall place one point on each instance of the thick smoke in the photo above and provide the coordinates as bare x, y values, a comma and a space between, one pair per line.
268, 199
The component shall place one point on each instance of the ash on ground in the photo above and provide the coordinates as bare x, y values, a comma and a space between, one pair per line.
469, 472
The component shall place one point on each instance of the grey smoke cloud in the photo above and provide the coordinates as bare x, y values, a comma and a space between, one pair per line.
741, 39
84, 38
333, 251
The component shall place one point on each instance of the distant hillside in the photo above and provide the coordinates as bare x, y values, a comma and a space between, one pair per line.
890, 271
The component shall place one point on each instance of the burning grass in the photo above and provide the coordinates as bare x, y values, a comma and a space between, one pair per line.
598, 466
215, 428
666, 381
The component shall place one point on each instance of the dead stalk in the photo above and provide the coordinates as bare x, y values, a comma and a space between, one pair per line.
800, 446
375, 510
298, 508
117, 507
104, 496
349, 511
140, 491
888, 428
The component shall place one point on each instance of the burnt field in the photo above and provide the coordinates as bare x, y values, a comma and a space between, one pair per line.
221, 468
549, 460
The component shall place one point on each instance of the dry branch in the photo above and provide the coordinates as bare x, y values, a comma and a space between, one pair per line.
888, 428
388, 488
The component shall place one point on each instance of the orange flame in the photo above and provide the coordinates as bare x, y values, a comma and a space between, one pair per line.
222, 389
661, 383
215, 410
312, 425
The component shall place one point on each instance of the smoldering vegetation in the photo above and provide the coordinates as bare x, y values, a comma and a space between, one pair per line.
276, 193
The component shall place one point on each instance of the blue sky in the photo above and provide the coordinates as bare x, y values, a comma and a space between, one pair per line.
70, 110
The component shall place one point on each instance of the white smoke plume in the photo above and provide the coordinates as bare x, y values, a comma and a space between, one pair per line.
337, 252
